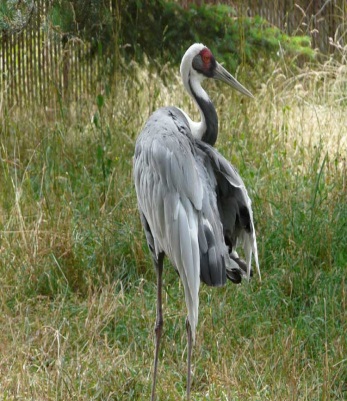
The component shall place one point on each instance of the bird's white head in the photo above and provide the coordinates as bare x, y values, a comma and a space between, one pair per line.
187, 70
199, 63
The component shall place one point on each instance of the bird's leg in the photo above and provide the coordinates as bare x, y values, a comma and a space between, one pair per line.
159, 321
189, 357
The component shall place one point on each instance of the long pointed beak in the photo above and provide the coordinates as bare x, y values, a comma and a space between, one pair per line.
221, 74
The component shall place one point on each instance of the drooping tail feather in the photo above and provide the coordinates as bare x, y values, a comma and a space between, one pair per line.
251, 249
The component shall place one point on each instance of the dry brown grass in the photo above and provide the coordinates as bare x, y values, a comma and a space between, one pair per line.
78, 290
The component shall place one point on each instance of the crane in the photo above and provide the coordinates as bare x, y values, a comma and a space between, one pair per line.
193, 204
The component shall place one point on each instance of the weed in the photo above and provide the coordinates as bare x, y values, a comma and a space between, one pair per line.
78, 288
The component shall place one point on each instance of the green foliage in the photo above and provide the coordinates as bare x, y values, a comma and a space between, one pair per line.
15, 15
89, 20
6, 14
161, 30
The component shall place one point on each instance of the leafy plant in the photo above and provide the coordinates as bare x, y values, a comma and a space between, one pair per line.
161, 30
15, 15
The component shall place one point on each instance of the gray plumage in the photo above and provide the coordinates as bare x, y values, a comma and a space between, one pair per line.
193, 204
179, 180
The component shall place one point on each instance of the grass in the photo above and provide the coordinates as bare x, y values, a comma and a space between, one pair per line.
78, 288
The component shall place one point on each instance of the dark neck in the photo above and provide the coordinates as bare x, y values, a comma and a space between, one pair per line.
211, 118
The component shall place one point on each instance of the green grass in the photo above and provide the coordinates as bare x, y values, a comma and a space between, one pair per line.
77, 285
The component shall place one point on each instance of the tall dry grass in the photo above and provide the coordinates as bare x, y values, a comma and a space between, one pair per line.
78, 289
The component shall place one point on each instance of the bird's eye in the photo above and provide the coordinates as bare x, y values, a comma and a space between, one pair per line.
206, 58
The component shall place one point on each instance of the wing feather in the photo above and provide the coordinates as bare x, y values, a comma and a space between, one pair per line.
235, 206
191, 200
169, 192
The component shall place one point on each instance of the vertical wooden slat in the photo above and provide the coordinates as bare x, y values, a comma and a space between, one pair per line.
4, 47
64, 68
27, 63
21, 86
8, 47
31, 55
14, 68
17, 60
8, 85
57, 63
44, 59
71, 70
75, 78
78, 70
42, 66
38, 52
46, 51
86, 63
87, 68
49, 73
34, 44
18, 69
81, 61
56, 60
31, 62
92, 71
23, 68
52, 67
8, 66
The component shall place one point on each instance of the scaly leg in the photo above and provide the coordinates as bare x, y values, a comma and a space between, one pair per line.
189, 357
159, 321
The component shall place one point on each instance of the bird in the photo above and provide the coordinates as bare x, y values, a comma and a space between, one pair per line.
193, 204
